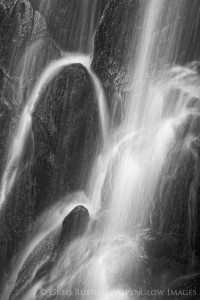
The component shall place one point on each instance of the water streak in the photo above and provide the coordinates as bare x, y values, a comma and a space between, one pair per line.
17, 145
45, 224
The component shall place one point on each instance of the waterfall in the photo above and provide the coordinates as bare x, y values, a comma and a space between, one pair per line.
125, 179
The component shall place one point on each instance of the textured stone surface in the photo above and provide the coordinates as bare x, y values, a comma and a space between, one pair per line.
15, 30
189, 43
65, 129
48, 252
5, 118
177, 202
74, 225
58, 154
113, 41
61, 17
25, 41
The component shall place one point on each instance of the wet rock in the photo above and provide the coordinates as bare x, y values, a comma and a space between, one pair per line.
6, 6
26, 44
189, 44
74, 225
71, 23
37, 56
187, 286
103, 5
17, 215
168, 257
19, 209
167, 247
113, 40
48, 252
39, 29
176, 209
15, 30
127, 265
66, 129
39, 257
5, 117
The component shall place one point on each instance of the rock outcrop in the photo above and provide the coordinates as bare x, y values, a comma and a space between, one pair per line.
114, 40
61, 18
66, 131
15, 30
47, 253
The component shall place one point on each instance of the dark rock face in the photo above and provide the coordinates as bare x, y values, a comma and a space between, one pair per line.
5, 118
49, 251
21, 62
25, 40
65, 129
175, 217
15, 29
38, 54
61, 151
39, 29
189, 44
189, 285
16, 216
74, 225
113, 41
127, 265
5, 8
61, 17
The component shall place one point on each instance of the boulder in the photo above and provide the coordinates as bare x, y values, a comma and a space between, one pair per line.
74, 225
66, 131
48, 251
58, 153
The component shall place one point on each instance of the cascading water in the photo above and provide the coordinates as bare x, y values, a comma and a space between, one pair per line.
125, 178
17, 147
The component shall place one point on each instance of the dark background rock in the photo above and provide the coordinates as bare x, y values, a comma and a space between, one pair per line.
6, 7
25, 50
189, 43
113, 40
5, 119
61, 17
176, 208
19, 30
15, 30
